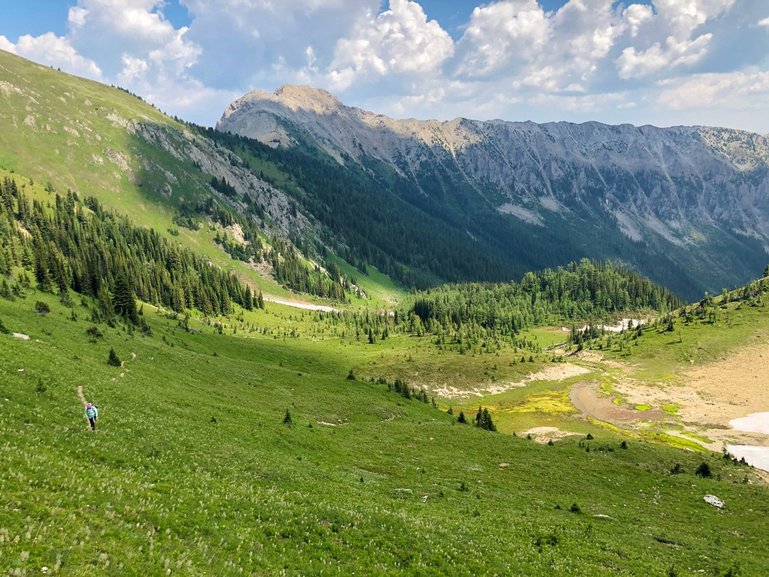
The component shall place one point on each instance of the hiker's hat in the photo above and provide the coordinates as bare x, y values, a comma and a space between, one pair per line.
88, 406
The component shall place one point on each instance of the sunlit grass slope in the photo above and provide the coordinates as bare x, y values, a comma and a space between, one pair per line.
192, 471
59, 132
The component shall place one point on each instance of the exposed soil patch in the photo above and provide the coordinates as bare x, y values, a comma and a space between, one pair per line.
704, 401
558, 372
588, 400
543, 435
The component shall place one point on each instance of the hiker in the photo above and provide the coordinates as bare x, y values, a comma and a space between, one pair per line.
92, 414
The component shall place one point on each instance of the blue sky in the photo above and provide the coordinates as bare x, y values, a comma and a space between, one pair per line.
661, 62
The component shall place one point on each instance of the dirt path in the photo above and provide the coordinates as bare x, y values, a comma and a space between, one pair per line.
586, 398
80, 395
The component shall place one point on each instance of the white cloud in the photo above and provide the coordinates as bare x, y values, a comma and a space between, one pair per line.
7, 45
745, 90
589, 59
684, 16
635, 16
55, 51
632, 64
502, 36
670, 38
399, 41
111, 29
265, 43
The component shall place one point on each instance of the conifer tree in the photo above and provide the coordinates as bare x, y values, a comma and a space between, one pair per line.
113, 359
123, 301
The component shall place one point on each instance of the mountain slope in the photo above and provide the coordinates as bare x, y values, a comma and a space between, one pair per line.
687, 205
191, 469
94, 140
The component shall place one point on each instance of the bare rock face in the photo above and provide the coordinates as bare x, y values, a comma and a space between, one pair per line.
684, 185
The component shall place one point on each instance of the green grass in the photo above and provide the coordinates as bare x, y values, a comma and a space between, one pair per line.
79, 135
660, 356
192, 472
385, 486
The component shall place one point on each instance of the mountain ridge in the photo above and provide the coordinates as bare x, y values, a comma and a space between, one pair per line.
699, 189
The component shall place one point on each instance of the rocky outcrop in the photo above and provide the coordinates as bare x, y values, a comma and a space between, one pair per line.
687, 186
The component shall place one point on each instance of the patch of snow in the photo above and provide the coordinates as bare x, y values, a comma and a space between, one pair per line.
753, 423
521, 213
306, 306
757, 457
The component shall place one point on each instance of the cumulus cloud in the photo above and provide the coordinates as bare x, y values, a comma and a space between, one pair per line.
744, 90
54, 51
503, 36
124, 31
399, 41
675, 53
617, 61
263, 42
670, 38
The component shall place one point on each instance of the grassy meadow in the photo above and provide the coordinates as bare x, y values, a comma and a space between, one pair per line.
192, 470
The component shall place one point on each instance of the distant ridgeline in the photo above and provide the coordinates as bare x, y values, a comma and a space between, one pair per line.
82, 247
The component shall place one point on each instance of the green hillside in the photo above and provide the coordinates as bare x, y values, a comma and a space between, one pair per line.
192, 469
70, 134
241, 439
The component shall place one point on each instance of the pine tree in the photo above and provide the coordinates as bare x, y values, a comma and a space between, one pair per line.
248, 299
287, 420
113, 359
123, 300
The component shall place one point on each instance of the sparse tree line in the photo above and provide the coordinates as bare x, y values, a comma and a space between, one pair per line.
467, 314
289, 268
710, 310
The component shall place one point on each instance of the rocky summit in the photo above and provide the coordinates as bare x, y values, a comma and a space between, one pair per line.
698, 193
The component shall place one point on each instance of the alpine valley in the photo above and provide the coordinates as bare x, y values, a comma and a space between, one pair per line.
326, 342
688, 206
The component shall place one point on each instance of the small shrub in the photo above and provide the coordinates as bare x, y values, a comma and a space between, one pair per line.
589, 437
351, 375
704, 471
94, 333
42, 308
623, 445
575, 508
677, 469
461, 418
113, 359
287, 420
40, 387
